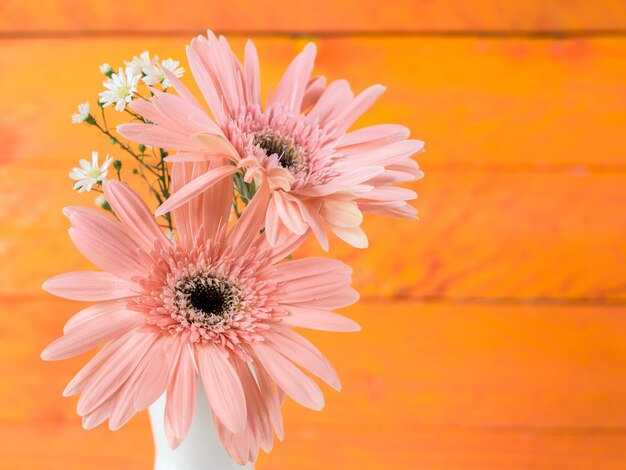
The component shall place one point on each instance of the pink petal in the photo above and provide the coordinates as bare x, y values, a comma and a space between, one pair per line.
147, 110
291, 211
252, 74
270, 394
320, 268
314, 90
354, 236
316, 222
146, 383
107, 246
347, 296
248, 227
101, 309
223, 387
341, 213
290, 90
369, 138
197, 54
121, 414
159, 366
344, 182
89, 286
181, 399
287, 376
195, 187
134, 214
77, 384
259, 426
95, 332
182, 115
408, 166
180, 176
157, 136
221, 69
320, 278
238, 449
189, 157
297, 349
390, 193
390, 177
210, 210
275, 230
359, 105
114, 372
280, 252
228, 73
215, 144
180, 88
390, 209
124, 400
383, 156
333, 100
98, 416
318, 320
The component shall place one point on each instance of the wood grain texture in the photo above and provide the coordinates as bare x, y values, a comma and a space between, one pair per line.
519, 385
319, 16
490, 234
479, 103
516, 359
308, 447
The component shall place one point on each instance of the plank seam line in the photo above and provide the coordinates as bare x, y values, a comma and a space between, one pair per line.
521, 301
596, 431
496, 34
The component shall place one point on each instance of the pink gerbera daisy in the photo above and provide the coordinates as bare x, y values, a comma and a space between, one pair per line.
216, 305
320, 175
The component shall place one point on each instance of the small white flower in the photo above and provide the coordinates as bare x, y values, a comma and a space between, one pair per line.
120, 89
106, 69
90, 173
154, 73
82, 114
139, 63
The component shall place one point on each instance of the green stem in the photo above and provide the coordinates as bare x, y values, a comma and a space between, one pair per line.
123, 146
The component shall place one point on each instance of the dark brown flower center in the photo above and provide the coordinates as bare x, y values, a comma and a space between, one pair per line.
206, 298
290, 154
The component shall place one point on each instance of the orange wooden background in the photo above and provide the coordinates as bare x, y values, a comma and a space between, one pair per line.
493, 329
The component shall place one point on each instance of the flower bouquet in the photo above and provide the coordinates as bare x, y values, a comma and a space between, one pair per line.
195, 307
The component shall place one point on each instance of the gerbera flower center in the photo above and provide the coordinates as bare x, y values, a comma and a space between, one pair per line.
209, 299
290, 155
205, 299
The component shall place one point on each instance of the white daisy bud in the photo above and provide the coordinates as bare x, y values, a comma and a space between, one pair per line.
106, 69
83, 113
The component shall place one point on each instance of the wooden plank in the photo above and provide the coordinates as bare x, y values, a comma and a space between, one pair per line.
425, 386
318, 16
489, 234
310, 448
433, 365
478, 103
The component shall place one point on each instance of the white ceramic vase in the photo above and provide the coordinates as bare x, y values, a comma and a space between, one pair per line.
201, 449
